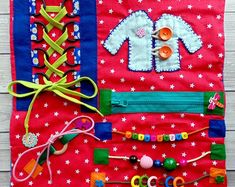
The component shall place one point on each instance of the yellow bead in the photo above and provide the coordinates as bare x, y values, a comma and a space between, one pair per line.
141, 137
184, 135
136, 177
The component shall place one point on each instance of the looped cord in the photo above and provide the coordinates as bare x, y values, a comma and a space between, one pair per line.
48, 144
60, 88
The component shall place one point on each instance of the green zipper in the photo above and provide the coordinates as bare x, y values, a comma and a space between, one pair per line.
157, 102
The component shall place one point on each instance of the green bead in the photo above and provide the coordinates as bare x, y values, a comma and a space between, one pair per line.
219, 179
170, 164
166, 138
135, 136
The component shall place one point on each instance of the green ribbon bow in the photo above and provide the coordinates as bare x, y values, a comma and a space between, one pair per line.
60, 88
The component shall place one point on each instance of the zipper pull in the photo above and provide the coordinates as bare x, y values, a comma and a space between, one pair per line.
119, 103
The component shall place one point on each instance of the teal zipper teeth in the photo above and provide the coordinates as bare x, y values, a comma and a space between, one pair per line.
157, 102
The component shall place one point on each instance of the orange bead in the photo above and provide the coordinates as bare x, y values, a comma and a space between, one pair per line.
165, 33
128, 134
159, 138
165, 52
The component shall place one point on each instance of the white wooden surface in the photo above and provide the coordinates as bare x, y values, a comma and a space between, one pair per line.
5, 99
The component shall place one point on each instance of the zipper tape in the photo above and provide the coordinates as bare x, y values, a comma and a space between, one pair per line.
161, 102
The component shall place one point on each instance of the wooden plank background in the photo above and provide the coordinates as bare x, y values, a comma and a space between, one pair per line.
5, 99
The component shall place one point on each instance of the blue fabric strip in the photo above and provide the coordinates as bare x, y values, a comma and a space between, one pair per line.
217, 129
22, 50
88, 31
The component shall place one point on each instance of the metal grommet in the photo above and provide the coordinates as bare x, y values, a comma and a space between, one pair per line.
44, 6
44, 28
68, 15
65, 51
64, 28
62, 151
45, 53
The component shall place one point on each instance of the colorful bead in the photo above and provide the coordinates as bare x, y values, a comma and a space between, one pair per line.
157, 163
178, 137
183, 162
184, 135
135, 136
168, 179
136, 177
166, 138
159, 138
178, 180
170, 164
152, 178
147, 138
172, 137
133, 159
153, 138
142, 179
141, 137
146, 162
128, 134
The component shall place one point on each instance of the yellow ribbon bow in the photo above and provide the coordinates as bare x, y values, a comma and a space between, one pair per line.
60, 88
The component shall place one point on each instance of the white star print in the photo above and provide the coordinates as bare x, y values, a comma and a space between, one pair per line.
172, 86
211, 85
45, 105
203, 134
58, 172
192, 85
190, 7
184, 154
67, 162
181, 76
164, 155
143, 118
199, 17
172, 126
68, 181
185, 174
56, 114
87, 180
209, 26
86, 161
161, 77
115, 149
123, 119
37, 116
154, 146
126, 178
142, 78
111, 11
132, 89
169, 8
149, 10
112, 71
134, 147
122, 80
30, 183
209, 6
152, 88
17, 136
17, 117
77, 151
102, 61
200, 76
209, 46
163, 116
133, 128
116, 168
103, 81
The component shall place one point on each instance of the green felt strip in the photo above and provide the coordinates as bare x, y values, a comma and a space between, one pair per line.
218, 152
67, 138
101, 156
105, 102
43, 157
217, 110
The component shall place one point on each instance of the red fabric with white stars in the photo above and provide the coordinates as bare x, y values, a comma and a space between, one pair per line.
201, 71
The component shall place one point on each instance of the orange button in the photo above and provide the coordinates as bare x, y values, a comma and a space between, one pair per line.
165, 52
165, 33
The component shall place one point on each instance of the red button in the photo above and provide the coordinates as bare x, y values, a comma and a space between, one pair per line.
165, 33
165, 52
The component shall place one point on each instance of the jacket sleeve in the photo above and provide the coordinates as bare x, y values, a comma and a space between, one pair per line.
185, 32
119, 34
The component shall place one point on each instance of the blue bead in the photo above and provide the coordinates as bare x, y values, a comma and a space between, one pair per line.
147, 138
157, 163
178, 137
